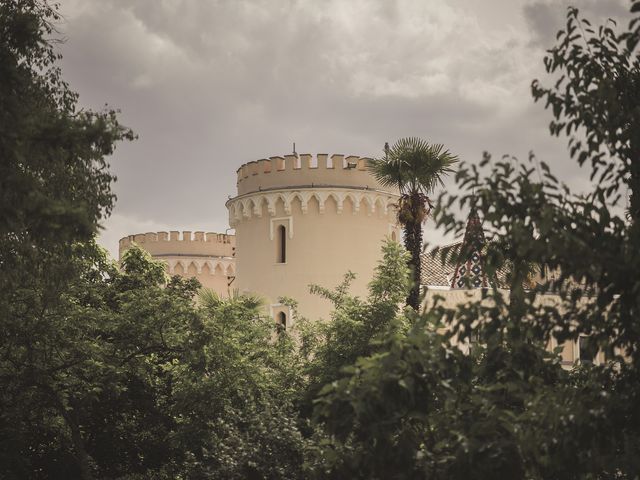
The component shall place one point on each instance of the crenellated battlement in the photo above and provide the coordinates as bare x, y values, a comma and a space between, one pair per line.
297, 170
182, 243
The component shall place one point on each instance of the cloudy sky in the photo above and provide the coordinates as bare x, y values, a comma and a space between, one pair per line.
211, 84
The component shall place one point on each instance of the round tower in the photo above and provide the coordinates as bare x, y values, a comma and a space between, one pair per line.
209, 257
304, 220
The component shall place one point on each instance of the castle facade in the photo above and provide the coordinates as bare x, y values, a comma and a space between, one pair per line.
303, 219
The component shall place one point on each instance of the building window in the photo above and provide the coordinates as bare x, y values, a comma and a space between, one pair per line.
281, 244
585, 350
281, 321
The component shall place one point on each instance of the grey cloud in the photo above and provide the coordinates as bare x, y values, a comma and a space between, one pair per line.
211, 85
546, 17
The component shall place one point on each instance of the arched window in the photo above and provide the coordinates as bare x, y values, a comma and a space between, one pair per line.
281, 321
281, 245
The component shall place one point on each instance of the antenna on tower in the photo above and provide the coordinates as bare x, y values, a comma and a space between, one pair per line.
294, 148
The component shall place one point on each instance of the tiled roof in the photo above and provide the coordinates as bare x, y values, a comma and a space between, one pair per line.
435, 272
461, 264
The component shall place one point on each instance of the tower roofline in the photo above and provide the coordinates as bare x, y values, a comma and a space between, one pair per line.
337, 170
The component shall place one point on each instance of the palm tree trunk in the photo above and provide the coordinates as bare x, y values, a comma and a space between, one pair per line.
634, 186
413, 244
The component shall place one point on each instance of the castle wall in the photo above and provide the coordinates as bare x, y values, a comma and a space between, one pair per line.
451, 298
209, 257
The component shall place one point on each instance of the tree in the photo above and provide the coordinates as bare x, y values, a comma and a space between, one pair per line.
128, 378
596, 102
54, 178
355, 323
235, 400
416, 168
82, 379
598, 94
55, 188
107, 372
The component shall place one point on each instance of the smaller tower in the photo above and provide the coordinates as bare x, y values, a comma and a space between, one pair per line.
209, 257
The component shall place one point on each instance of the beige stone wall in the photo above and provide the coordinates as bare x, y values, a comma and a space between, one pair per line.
335, 219
209, 257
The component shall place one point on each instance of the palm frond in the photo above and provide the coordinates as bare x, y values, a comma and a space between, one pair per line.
209, 298
413, 165
387, 173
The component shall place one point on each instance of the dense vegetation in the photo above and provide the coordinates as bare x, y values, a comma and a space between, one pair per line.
119, 373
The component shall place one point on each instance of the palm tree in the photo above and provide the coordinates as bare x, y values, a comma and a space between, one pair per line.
416, 168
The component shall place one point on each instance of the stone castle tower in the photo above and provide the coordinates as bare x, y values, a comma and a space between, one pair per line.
299, 220
304, 220
209, 257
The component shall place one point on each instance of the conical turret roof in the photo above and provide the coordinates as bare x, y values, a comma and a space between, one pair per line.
469, 270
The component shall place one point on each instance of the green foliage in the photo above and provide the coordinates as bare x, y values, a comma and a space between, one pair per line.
356, 323
54, 179
413, 165
254, 442
595, 100
81, 369
128, 378
54, 190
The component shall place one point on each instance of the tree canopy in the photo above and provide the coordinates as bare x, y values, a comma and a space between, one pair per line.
54, 179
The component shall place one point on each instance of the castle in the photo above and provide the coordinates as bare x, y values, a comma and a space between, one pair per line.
302, 220
298, 220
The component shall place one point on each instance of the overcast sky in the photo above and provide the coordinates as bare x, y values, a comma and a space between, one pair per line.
211, 84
